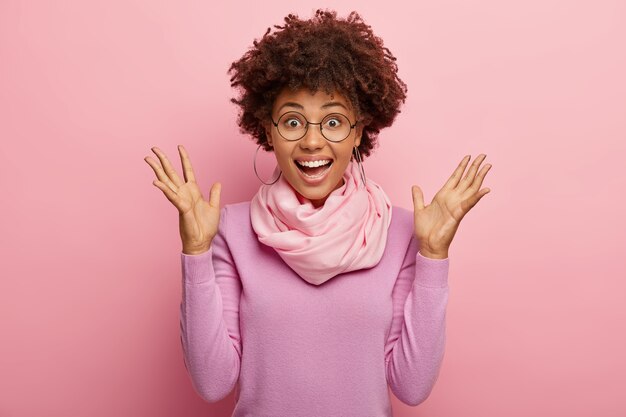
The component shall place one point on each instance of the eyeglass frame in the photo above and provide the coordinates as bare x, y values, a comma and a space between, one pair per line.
306, 127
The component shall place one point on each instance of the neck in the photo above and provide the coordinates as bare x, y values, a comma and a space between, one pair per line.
320, 202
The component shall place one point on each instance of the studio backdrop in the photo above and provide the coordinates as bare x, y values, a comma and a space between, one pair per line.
90, 274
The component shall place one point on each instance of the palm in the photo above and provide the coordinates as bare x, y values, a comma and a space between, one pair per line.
437, 223
198, 219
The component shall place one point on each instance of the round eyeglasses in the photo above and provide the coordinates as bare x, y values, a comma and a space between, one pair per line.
292, 126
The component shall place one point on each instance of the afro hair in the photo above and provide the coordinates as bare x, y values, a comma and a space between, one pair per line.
324, 52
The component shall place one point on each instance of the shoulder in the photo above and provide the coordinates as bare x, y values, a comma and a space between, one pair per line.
236, 210
402, 217
401, 230
235, 217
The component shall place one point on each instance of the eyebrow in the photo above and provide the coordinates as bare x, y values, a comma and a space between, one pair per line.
299, 106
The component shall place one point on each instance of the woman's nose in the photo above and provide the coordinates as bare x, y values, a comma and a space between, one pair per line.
313, 138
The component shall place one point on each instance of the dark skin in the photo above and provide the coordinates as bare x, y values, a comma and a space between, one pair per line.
435, 224
198, 219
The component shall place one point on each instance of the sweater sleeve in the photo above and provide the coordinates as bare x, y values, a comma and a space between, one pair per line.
415, 346
209, 318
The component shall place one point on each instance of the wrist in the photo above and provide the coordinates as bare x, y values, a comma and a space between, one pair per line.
196, 250
433, 254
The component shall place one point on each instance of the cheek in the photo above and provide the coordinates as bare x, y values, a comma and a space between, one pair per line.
346, 153
282, 156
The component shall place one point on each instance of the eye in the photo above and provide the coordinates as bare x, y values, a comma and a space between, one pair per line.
292, 122
333, 122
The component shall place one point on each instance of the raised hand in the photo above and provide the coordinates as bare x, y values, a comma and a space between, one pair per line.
198, 219
437, 223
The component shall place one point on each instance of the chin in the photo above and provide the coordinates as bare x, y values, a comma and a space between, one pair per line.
314, 196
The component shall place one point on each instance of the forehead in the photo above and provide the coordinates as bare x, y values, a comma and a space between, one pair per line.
310, 100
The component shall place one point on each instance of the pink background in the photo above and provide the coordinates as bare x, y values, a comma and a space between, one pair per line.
90, 274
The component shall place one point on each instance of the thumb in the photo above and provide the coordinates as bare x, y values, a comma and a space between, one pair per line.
214, 198
418, 197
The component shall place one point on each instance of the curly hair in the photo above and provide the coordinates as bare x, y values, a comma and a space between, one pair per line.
323, 52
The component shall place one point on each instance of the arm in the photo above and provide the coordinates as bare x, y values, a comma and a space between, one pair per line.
415, 346
209, 318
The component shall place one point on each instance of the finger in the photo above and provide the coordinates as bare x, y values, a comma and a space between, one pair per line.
475, 198
418, 197
456, 175
468, 180
478, 181
171, 195
187, 168
161, 175
167, 167
214, 198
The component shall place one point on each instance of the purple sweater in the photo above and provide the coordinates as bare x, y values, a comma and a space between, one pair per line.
290, 348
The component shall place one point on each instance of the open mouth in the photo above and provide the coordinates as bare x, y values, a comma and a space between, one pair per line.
314, 171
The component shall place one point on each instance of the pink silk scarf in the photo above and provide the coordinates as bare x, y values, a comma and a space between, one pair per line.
347, 233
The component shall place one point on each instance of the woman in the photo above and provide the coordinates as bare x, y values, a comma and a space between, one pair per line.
318, 294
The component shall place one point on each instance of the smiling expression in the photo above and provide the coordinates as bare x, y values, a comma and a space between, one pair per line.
313, 146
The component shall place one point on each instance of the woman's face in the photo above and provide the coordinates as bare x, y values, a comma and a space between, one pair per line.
312, 146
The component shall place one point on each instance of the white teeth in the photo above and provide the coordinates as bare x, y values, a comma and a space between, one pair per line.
313, 164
